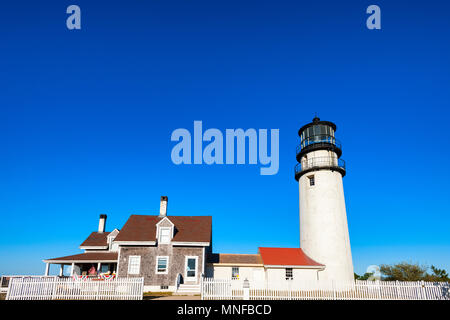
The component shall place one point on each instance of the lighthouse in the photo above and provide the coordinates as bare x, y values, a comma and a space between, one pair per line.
323, 219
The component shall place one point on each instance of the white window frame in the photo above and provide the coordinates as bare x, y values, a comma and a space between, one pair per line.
169, 229
286, 274
167, 265
130, 270
186, 265
238, 272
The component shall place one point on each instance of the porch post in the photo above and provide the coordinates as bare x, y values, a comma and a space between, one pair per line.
98, 267
72, 270
61, 270
47, 268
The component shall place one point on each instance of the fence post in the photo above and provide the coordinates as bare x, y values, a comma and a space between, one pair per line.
379, 289
246, 287
98, 291
9, 288
201, 287
424, 294
333, 287
397, 287
54, 285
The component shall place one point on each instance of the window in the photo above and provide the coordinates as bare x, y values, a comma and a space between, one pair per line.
134, 264
235, 273
161, 264
164, 287
104, 268
289, 274
312, 181
164, 235
191, 267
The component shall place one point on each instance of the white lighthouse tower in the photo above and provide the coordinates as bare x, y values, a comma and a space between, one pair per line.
323, 218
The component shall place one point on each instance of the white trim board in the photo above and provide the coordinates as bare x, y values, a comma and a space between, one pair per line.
78, 261
194, 244
135, 243
167, 265
294, 267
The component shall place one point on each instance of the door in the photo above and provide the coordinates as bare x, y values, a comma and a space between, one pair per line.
191, 269
258, 278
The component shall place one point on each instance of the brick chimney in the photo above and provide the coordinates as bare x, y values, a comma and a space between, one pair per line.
163, 206
102, 223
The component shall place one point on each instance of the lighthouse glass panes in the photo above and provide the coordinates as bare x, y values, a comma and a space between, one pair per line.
317, 133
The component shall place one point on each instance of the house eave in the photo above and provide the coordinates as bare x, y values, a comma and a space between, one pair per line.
295, 267
186, 243
93, 247
79, 261
135, 243
236, 264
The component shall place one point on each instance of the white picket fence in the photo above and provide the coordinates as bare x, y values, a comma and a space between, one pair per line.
214, 289
4, 280
35, 288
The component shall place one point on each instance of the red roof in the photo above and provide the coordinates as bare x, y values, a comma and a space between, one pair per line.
286, 257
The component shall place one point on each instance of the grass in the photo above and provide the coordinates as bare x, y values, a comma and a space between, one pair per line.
159, 294
153, 295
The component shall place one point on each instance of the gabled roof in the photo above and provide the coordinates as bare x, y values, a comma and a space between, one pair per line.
294, 257
87, 257
187, 228
234, 259
96, 239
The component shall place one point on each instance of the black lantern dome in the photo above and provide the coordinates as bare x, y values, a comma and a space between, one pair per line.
318, 135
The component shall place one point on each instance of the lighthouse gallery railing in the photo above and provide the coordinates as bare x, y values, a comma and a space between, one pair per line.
319, 162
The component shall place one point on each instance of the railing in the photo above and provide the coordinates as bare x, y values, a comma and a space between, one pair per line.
319, 162
322, 138
213, 289
54, 288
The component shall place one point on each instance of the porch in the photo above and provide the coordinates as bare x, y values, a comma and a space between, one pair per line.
85, 264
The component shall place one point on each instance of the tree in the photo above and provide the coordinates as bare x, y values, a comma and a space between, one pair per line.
403, 272
365, 276
438, 275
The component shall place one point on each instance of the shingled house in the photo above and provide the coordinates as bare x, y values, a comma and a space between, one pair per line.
169, 252
172, 253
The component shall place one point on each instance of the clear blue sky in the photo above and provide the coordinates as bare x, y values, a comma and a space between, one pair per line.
86, 119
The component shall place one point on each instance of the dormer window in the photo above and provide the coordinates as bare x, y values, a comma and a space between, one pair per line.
164, 235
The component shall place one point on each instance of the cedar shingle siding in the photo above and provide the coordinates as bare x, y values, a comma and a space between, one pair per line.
149, 254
